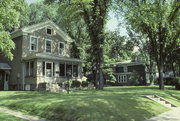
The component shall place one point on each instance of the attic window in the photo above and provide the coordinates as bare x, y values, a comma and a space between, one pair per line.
49, 31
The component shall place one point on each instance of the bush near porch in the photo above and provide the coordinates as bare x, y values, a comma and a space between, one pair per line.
110, 104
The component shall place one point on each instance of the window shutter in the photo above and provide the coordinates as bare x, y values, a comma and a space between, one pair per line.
53, 68
43, 68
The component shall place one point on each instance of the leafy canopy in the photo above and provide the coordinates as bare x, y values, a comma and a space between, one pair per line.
9, 18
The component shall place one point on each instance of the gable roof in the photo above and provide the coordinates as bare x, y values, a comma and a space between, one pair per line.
4, 66
32, 28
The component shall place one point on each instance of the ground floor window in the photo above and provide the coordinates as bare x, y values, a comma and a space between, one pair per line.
122, 78
68, 69
75, 70
29, 68
62, 69
49, 68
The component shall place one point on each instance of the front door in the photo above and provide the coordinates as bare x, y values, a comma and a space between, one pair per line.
49, 71
6, 80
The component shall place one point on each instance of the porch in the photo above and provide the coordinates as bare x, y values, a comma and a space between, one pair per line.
4, 76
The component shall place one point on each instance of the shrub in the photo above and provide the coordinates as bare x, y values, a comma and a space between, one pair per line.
169, 81
110, 83
75, 83
135, 78
177, 82
84, 84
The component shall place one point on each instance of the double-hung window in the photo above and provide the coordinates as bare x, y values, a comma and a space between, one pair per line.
29, 68
48, 46
33, 43
61, 48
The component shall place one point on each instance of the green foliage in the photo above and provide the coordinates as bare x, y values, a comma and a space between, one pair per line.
109, 75
135, 78
9, 14
177, 82
75, 84
159, 22
117, 47
84, 84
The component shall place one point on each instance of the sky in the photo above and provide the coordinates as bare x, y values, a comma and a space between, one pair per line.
112, 23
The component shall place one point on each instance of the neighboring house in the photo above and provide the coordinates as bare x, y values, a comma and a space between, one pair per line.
42, 56
123, 72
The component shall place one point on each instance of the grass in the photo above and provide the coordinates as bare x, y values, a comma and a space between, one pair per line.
110, 104
6, 117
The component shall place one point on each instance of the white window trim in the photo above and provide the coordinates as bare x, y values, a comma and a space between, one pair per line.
37, 43
122, 78
51, 30
59, 48
29, 64
45, 45
51, 68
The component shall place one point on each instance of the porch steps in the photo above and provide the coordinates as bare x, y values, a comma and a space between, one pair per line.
160, 100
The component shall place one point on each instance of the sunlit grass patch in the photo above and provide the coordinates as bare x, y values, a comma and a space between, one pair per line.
110, 104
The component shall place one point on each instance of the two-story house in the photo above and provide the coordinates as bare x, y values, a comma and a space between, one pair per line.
42, 55
124, 70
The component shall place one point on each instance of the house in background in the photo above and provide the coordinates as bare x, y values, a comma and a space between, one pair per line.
41, 57
123, 72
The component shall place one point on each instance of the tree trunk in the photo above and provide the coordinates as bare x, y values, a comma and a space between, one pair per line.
173, 69
160, 68
101, 79
151, 73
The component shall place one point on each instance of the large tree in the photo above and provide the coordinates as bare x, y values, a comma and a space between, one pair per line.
158, 20
9, 18
94, 14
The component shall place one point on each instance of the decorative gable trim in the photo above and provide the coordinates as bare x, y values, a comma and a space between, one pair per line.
35, 27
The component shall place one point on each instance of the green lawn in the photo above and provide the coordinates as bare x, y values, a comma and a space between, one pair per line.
111, 104
6, 117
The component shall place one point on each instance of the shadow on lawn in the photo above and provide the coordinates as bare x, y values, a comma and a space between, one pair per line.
110, 104
102, 109
64, 107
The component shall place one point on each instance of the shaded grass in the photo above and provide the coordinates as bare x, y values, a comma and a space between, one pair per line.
6, 117
110, 104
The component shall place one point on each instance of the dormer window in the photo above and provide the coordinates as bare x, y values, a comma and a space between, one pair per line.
48, 46
33, 43
61, 48
49, 31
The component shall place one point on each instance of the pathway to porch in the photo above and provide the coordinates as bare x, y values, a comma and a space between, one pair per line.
20, 115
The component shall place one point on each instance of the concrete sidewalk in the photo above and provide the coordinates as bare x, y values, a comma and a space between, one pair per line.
172, 115
20, 115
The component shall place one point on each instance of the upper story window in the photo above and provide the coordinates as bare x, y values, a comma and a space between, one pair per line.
130, 68
33, 43
119, 69
49, 31
48, 46
125, 68
61, 48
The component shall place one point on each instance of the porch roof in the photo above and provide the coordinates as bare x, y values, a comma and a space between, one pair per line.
5, 66
53, 57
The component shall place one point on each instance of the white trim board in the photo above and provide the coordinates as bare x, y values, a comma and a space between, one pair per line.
35, 27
